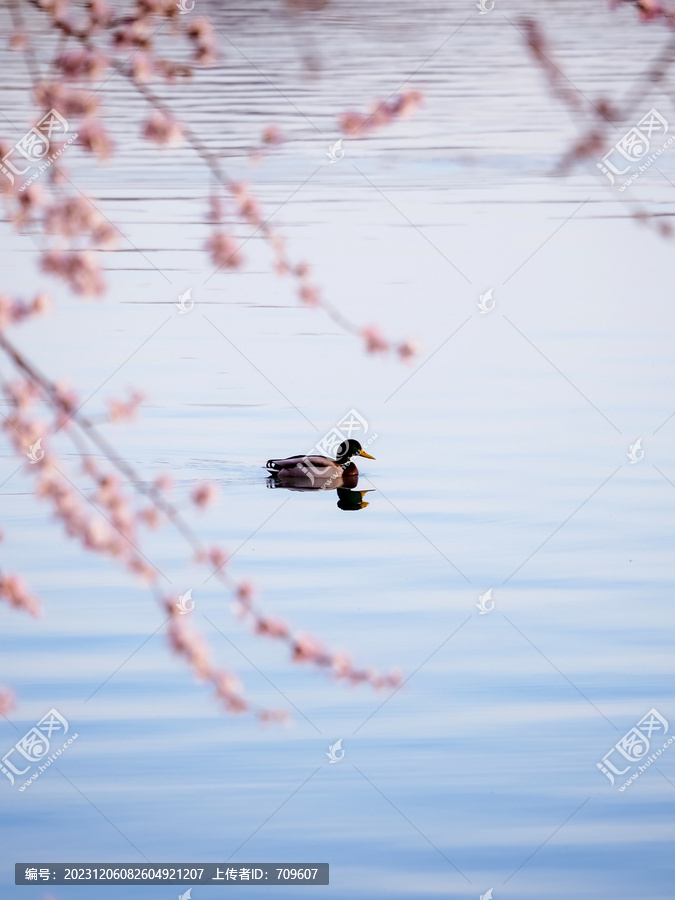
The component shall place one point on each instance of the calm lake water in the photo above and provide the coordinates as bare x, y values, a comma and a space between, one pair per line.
501, 463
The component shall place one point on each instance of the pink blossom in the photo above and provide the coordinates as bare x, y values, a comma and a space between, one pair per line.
217, 557
274, 628
408, 349
375, 342
162, 129
69, 101
30, 201
247, 204
17, 41
245, 592
200, 29
236, 705
108, 487
277, 242
99, 13
82, 64
6, 187
204, 494
150, 517
164, 482
141, 67
306, 649
41, 304
57, 9
157, 7
351, 122
66, 396
15, 592
94, 138
144, 570
405, 103
650, 9
342, 665
227, 683
272, 135
136, 34
170, 70
397, 107
124, 411
200, 32
190, 645
72, 217
14, 311
79, 269
224, 250
7, 701
309, 295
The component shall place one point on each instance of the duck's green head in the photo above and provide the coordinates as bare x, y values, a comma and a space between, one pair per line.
350, 448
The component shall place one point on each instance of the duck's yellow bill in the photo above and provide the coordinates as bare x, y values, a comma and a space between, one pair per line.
367, 455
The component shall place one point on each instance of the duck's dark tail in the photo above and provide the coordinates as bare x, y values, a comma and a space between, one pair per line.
272, 465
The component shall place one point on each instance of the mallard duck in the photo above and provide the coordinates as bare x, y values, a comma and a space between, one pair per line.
320, 472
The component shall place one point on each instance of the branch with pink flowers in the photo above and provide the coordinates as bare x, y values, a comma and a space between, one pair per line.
136, 33
115, 532
110, 518
651, 10
596, 119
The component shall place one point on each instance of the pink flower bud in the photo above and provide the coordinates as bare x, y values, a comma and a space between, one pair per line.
224, 250
204, 494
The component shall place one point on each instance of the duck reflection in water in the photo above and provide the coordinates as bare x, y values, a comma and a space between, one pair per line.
319, 473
